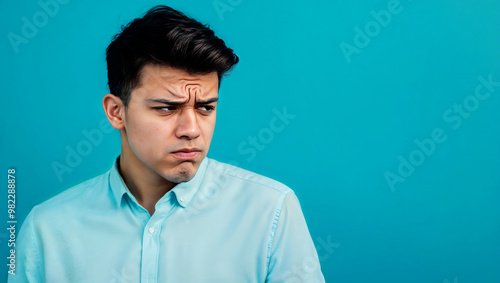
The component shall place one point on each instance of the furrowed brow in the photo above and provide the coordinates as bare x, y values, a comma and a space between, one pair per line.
165, 101
208, 101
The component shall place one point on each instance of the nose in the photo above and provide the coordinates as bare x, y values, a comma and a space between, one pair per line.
187, 125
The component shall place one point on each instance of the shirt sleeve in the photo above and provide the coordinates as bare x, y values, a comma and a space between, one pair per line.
293, 257
28, 254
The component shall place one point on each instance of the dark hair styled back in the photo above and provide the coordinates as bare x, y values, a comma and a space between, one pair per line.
167, 37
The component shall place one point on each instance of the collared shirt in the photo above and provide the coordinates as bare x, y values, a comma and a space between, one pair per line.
224, 225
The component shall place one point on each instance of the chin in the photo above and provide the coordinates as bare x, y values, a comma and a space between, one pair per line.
183, 173
181, 178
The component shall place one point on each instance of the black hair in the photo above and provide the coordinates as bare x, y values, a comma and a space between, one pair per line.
167, 37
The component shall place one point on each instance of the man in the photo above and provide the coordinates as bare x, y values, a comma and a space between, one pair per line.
165, 212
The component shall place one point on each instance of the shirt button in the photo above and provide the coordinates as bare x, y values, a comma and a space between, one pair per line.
181, 199
151, 230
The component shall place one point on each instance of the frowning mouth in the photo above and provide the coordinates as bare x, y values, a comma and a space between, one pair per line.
186, 153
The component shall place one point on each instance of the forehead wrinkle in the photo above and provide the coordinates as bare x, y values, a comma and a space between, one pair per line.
193, 89
174, 93
178, 85
197, 91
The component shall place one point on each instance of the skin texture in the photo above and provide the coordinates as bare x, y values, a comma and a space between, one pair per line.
170, 111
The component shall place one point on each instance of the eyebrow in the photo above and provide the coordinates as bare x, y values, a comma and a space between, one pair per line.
165, 101
176, 103
208, 101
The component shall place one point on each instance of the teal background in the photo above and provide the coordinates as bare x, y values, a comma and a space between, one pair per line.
356, 118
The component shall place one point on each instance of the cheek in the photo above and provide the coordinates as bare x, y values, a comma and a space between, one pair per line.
208, 129
208, 125
146, 135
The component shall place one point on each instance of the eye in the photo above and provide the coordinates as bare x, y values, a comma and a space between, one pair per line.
206, 109
165, 109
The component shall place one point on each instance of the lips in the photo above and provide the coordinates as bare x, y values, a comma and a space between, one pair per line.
186, 153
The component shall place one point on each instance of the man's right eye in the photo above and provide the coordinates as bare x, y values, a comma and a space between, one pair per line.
165, 108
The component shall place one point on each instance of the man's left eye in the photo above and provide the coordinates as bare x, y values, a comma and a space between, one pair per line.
206, 108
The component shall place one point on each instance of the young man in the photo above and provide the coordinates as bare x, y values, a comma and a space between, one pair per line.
165, 212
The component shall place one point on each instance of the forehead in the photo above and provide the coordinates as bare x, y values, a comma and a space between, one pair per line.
168, 81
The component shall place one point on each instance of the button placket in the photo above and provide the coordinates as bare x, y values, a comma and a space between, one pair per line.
151, 241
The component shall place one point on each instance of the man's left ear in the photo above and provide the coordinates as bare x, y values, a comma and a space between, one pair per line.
114, 109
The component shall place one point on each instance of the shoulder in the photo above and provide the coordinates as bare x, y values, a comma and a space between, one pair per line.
246, 178
75, 198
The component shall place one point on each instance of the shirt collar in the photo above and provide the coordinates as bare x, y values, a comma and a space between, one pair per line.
116, 182
184, 192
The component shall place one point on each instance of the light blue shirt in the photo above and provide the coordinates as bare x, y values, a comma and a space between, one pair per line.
225, 225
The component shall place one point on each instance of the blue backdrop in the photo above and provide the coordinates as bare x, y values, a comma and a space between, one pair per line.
390, 111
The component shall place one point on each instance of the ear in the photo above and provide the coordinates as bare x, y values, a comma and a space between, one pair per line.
115, 110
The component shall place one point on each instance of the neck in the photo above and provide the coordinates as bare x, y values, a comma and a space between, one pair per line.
145, 185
